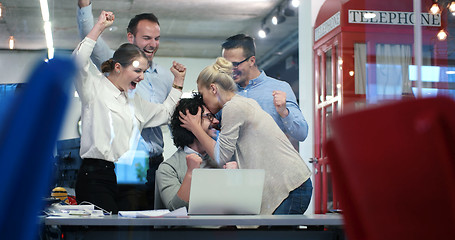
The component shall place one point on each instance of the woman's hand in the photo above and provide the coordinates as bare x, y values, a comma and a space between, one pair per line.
191, 122
179, 71
105, 20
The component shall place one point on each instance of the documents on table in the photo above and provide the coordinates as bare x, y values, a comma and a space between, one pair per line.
181, 212
62, 210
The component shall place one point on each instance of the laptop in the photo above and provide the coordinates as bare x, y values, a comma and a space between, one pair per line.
226, 191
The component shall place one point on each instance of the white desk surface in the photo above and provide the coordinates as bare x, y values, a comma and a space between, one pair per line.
215, 220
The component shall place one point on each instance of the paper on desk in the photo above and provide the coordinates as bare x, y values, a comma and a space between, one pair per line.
181, 212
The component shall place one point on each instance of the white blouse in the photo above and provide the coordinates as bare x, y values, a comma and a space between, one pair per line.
112, 120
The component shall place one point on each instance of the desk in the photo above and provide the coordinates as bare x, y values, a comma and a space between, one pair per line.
328, 226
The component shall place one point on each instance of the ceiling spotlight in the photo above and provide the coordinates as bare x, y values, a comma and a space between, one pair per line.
288, 12
262, 33
278, 18
295, 3
274, 20
11, 42
442, 35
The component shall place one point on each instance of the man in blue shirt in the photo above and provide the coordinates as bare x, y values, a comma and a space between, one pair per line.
274, 96
144, 31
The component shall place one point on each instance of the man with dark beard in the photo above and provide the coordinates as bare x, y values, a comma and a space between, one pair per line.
173, 177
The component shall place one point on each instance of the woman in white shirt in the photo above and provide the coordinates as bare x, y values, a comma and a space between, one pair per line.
113, 115
254, 139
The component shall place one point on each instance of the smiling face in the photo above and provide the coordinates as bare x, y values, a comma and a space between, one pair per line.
131, 75
147, 37
208, 122
241, 72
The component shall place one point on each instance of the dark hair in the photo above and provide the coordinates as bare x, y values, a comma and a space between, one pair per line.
132, 26
241, 41
124, 55
182, 137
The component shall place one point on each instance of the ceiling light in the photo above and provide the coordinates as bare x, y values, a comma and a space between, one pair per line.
1, 11
47, 28
44, 10
262, 33
274, 20
442, 35
48, 34
288, 12
295, 3
11, 42
278, 18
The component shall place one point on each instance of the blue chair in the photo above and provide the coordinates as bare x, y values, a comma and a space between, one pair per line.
27, 139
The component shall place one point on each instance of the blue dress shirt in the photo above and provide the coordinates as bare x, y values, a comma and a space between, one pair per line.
261, 89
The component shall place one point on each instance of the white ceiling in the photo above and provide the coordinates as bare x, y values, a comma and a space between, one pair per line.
189, 28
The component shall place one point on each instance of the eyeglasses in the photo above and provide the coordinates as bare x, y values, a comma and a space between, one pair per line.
236, 64
209, 116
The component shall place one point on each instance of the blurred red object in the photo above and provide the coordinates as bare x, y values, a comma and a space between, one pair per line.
72, 200
394, 170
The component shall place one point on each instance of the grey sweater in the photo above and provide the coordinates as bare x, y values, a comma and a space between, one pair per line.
251, 135
169, 178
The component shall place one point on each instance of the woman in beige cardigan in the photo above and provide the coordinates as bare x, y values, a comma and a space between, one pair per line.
254, 139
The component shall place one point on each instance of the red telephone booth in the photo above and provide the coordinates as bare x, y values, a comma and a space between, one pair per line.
364, 54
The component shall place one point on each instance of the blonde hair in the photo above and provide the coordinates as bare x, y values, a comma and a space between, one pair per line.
219, 73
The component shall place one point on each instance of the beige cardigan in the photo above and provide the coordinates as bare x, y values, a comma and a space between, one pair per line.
256, 141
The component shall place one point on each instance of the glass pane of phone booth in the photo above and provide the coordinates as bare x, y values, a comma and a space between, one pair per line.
328, 64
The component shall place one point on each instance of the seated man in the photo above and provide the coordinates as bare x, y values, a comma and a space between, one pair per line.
173, 176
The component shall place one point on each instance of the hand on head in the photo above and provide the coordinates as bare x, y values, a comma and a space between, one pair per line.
279, 100
190, 121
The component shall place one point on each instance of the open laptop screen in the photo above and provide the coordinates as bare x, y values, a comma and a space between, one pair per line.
226, 191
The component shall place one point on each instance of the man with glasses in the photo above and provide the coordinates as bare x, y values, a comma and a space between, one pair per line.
274, 96
173, 177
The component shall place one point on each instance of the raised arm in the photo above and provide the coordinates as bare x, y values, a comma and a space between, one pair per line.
192, 161
286, 106
101, 52
82, 54
104, 21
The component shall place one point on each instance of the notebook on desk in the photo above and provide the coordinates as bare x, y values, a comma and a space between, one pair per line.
226, 191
